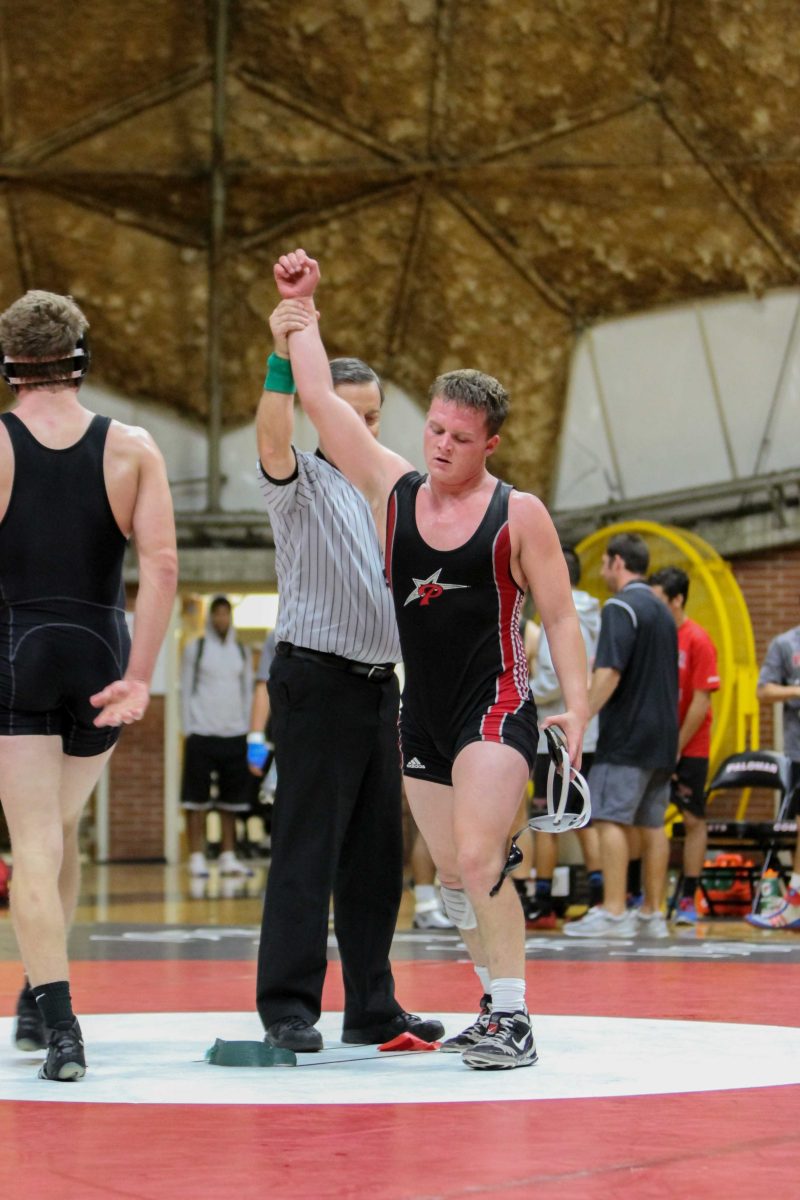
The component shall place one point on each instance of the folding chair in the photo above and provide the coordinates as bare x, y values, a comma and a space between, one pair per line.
753, 769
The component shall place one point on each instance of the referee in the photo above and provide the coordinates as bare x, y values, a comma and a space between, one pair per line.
334, 696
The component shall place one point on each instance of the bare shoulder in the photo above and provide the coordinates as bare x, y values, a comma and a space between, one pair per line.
133, 436
376, 478
534, 539
395, 467
136, 480
527, 513
133, 442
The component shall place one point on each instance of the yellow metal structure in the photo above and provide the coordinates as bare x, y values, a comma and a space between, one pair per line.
716, 603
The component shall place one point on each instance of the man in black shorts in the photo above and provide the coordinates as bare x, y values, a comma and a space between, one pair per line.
73, 488
698, 679
216, 696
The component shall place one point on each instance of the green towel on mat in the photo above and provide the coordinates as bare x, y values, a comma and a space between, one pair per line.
249, 1054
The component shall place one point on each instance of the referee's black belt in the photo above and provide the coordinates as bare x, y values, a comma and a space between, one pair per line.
378, 674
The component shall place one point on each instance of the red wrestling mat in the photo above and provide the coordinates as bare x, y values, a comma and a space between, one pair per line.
754, 992
712, 1144
715, 1145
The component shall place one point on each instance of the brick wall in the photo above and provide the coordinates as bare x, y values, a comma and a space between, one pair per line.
770, 584
136, 787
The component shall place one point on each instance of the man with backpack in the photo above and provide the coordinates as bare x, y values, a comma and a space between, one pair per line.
216, 693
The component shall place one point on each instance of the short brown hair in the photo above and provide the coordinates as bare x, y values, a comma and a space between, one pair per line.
633, 551
473, 389
41, 326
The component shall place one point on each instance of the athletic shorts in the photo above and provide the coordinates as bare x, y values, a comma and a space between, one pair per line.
688, 786
629, 795
428, 755
224, 757
51, 663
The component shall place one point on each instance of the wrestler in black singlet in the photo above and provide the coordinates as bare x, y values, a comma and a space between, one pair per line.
63, 635
458, 614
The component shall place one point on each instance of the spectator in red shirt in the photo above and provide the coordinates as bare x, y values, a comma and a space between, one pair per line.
698, 677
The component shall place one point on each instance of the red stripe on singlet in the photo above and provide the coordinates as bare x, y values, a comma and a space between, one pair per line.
391, 525
509, 696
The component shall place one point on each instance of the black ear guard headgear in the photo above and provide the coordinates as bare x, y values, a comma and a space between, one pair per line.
73, 366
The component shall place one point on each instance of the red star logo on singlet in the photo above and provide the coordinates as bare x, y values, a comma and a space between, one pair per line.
429, 589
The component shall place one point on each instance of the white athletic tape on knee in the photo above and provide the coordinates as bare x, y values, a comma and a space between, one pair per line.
458, 907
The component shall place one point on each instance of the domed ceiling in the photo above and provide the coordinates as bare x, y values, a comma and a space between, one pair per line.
479, 179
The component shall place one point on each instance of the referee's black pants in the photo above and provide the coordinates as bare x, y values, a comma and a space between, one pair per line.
336, 830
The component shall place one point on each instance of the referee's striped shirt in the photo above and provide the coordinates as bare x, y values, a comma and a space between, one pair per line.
333, 594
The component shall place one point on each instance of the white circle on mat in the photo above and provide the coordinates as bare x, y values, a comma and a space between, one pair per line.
158, 1058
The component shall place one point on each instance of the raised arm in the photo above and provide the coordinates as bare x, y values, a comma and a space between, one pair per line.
153, 531
275, 415
346, 440
542, 563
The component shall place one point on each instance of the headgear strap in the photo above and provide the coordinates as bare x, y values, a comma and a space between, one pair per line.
75, 366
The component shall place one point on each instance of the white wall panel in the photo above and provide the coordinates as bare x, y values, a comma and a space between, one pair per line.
660, 402
688, 395
747, 339
783, 453
585, 473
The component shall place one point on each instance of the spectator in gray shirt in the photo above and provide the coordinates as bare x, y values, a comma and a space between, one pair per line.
779, 683
216, 692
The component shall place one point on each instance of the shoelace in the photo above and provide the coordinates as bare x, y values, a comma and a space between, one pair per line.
295, 1023
66, 1041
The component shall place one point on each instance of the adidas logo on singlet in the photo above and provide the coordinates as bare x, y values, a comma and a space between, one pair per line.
414, 764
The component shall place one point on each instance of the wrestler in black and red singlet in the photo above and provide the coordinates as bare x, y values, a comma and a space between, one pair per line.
63, 634
458, 612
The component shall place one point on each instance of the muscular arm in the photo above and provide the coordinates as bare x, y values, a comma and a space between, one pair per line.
274, 429
154, 538
542, 563
371, 467
695, 715
275, 415
153, 532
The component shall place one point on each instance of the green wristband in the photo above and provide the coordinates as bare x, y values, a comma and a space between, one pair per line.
279, 375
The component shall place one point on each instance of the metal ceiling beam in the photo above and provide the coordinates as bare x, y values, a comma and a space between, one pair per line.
216, 248
735, 497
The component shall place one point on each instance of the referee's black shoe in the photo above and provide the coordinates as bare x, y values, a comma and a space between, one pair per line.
293, 1033
374, 1035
